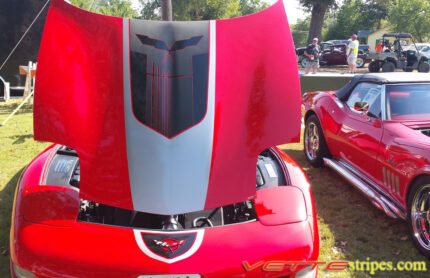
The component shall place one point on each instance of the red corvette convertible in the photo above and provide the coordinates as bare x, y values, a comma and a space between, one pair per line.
168, 169
375, 133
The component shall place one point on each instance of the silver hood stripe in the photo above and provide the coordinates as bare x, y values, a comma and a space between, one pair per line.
169, 176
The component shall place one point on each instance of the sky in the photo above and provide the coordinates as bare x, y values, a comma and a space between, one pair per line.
293, 9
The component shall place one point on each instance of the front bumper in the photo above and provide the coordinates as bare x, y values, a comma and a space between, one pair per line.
94, 250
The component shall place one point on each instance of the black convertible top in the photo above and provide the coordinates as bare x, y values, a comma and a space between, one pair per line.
382, 78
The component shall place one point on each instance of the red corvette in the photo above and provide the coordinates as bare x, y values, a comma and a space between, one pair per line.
164, 123
375, 133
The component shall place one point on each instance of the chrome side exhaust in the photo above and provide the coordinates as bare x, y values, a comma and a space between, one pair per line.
381, 202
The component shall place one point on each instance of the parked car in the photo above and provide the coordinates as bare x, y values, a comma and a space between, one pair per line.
395, 57
375, 132
336, 55
300, 52
364, 48
168, 170
419, 46
425, 50
325, 46
339, 41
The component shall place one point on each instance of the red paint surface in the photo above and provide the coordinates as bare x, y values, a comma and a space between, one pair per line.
56, 245
280, 205
79, 98
257, 98
79, 103
372, 145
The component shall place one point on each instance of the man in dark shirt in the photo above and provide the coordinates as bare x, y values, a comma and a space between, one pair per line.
312, 53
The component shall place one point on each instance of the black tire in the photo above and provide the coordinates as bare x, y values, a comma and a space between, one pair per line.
423, 67
360, 62
374, 66
304, 61
314, 144
419, 235
388, 67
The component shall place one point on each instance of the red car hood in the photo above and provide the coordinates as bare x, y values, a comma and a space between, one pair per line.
166, 117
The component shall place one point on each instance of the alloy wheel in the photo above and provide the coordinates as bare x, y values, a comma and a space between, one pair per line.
420, 216
312, 141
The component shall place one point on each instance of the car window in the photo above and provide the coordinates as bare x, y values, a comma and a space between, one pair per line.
369, 93
408, 101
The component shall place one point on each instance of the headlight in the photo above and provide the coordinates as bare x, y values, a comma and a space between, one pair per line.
22, 273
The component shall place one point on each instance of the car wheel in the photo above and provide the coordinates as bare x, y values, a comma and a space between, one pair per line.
374, 66
388, 67
419, 214
423, 67
360, 62
304, 62
314, 144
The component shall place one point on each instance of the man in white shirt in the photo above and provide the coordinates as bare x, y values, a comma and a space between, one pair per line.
352, 54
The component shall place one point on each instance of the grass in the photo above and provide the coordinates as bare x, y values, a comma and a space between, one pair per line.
350, 227
17, 148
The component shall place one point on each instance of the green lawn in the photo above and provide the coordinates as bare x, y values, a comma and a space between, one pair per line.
17, 148
350, 227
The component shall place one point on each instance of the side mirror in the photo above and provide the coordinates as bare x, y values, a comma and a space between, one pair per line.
361, 106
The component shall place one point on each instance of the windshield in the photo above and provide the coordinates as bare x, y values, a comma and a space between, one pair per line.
408, 102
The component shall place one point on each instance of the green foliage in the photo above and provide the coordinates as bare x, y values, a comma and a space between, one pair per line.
411, 16
318, 9
300, 31
202, 9
355, 15
251, 6
83, 4
151, 9
121, 8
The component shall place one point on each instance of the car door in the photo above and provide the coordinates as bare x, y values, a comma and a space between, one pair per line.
339, 55
326, 56
361, 131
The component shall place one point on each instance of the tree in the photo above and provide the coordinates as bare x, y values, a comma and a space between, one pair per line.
202, 9
83, 4
412, 16
151, 9
251, 6
355, 15
318, 9
300, 31
121, 8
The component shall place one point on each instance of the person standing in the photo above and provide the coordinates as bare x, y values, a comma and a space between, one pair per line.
352, 54
312, 52
380, 46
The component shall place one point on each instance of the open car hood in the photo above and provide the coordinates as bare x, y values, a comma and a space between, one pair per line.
167, 117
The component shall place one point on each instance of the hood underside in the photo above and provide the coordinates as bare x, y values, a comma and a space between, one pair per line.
166, 117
